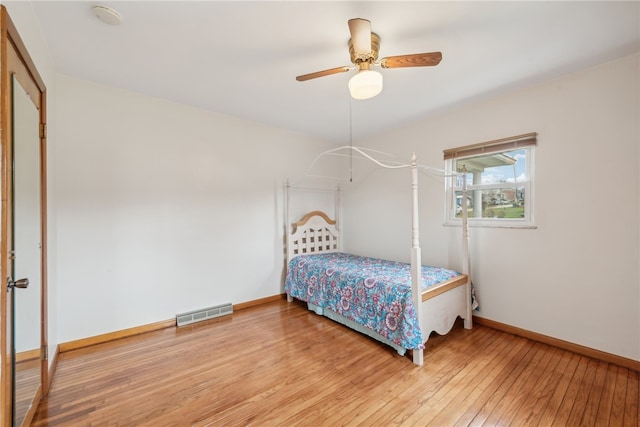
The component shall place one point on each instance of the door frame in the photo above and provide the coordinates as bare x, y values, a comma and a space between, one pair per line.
15, 60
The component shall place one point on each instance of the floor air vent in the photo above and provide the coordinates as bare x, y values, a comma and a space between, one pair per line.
203, 314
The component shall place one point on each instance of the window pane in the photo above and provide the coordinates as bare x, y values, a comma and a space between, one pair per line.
505, 202
458, 208
495, 168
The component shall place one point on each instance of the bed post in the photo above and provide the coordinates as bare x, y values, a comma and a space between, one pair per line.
338, 215
287, 230
416, 257
466, 263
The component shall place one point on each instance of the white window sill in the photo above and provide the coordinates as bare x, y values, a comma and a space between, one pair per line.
493, 224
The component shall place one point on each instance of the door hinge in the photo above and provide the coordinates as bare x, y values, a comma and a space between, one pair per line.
43, 130
45, 352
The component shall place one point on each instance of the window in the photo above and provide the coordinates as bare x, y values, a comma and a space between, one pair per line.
499, 182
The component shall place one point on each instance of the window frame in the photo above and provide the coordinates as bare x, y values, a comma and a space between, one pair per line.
525, 142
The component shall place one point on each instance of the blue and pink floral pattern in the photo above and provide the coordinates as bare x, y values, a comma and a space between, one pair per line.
372, 292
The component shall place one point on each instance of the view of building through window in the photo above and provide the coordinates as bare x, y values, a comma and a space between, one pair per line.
499, 177
495, 184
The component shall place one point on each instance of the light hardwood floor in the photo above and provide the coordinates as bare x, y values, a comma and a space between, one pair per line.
279, 364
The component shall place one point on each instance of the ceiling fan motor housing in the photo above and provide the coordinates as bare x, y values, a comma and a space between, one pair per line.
369, 57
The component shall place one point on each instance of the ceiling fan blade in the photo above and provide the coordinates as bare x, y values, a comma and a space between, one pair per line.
414, 60
323, 73
360, 30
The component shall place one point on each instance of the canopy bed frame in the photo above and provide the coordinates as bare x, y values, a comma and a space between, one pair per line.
435, 307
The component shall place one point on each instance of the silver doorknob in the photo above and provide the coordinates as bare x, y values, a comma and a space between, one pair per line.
20, 283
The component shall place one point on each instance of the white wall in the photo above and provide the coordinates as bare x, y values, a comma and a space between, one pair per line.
163, 208
575, 277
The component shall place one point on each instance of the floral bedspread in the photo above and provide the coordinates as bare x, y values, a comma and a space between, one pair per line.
374, 293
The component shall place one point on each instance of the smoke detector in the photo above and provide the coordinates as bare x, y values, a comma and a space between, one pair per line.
107, 15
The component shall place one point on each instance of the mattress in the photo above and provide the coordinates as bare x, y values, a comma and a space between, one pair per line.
372, 292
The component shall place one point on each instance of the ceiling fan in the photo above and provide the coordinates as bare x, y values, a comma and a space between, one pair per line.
363, 48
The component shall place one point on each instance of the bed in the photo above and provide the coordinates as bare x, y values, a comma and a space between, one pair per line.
398, 304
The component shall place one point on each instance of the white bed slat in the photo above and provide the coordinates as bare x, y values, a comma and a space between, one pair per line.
314, 236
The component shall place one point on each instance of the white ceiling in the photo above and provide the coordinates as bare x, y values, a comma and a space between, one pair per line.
241, 58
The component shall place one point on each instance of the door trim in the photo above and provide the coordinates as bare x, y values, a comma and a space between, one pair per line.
15, 59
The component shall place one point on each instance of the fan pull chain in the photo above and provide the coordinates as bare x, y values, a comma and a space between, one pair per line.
350, 139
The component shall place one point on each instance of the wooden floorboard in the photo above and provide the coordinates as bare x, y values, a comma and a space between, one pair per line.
280, 364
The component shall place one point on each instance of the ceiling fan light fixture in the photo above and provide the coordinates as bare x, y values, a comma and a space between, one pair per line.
366, 84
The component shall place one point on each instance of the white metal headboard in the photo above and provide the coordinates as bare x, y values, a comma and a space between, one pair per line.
314, 233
